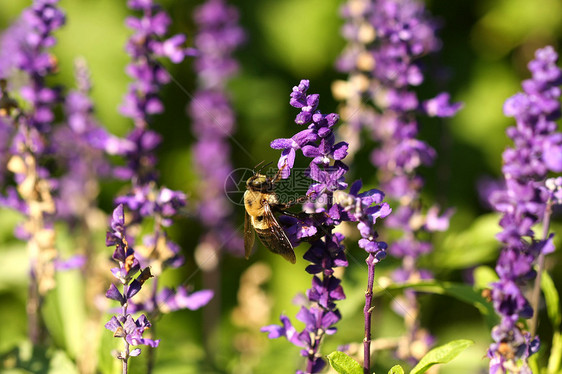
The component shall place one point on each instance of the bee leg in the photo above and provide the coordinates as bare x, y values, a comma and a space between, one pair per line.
287, 213
300, 200
282, 207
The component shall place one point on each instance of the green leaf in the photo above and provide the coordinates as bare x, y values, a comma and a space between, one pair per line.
459, 291
396, 369
483, 276
555, 353
69, 297
61, 363
14, 267
344, 364
534, 365
471, 247
441, 355
552, 300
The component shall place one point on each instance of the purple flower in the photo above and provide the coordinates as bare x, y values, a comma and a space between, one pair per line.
82, 146
289, 147
213, 119
132, 331
167, 300
439, 106
327, 207
25, 47
554, 186
218, 36
146, 200
145, 47
385, 41
123, 325
26, 139
523, 202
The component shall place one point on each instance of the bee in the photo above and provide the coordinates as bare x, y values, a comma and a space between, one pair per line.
261, 201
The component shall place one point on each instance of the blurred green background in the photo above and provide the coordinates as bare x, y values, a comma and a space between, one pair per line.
486, 46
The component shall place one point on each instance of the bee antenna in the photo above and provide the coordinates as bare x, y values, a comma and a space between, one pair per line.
261, 162
261, 167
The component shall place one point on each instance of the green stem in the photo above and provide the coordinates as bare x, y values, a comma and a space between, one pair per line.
536, 296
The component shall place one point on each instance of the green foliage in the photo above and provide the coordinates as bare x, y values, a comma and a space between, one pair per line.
510, 22
462, 292
441, 355
552, 300
27, 359
473, 246
344, 364
483, 276
555, 354
291, 26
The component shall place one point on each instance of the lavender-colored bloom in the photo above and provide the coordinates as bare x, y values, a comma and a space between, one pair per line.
142, 100
25, 48
124, 326
168, 300
145, 46
386, 39
82, 148
131, 330
523, 203
219, 35
146, 200
213, 121
328, 206
554, 186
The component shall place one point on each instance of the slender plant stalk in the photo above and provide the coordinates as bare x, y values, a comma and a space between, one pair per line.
311, 359
151, 353
367, 312
536, 296
33, 302
125, 357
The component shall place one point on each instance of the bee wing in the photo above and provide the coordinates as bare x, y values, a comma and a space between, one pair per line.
248, 236
273, 236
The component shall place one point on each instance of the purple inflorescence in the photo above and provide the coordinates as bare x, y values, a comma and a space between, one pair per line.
124, 326
82, 149
386, 38
146, 199
217, 38
327, 207
523, 203
25, 48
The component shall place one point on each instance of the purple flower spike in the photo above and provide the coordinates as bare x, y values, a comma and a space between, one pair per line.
147, 203
28, 144
386, 40
524, 203
327, 207
213, 120
123, 325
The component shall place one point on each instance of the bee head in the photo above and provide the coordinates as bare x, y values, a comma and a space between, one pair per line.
259, 182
